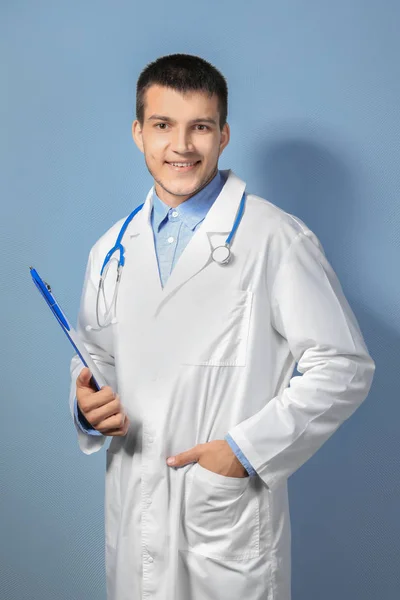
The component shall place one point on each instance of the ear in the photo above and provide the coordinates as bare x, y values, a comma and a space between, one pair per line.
225, 137
137, 135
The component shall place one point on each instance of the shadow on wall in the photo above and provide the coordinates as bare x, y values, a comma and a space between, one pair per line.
309, 180
344, 500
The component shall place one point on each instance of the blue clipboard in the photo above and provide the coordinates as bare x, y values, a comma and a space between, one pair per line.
78, 345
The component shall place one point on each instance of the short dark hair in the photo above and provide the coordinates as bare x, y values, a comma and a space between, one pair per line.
184, 73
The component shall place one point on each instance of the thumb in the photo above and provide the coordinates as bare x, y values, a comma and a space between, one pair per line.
185, 458
83, 380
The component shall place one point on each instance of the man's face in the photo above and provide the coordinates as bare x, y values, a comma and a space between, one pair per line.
181, 141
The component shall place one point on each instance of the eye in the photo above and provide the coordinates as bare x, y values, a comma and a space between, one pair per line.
203, 127
161, 126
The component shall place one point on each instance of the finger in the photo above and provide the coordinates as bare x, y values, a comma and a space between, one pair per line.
97, 401
184, 458
122, 431
111, 423
83, 379
101, 414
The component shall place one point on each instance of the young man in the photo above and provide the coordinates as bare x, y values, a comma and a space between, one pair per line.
207, 424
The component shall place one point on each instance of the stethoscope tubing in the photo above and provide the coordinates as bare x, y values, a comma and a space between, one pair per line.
118, 247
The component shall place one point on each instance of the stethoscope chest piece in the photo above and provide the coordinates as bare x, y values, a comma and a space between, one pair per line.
221, 255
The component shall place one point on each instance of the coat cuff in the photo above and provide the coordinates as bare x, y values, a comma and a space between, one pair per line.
240, 456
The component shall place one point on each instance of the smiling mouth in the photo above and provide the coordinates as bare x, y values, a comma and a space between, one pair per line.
183, 166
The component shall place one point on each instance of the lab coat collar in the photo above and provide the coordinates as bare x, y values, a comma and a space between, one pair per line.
220, 217
196, 256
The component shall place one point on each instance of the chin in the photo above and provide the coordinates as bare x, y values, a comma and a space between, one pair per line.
177, 189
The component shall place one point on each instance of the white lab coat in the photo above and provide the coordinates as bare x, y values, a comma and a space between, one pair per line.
211, 353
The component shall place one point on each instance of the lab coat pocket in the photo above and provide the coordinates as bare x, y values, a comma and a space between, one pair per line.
112, 500
221, 516
218, 331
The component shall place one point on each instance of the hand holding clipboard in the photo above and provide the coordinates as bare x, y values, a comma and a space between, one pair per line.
93, 392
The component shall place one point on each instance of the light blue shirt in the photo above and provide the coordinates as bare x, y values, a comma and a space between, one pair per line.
173, 228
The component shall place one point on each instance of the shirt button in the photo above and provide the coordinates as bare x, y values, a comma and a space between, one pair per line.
150, 559
148, 502
171, 239
150, 439
175, 214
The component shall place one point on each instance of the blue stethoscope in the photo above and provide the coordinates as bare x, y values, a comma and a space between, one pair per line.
221, 255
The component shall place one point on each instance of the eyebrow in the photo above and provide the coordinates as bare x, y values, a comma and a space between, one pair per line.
192, 122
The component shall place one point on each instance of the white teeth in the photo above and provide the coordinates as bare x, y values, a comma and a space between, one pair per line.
182, 164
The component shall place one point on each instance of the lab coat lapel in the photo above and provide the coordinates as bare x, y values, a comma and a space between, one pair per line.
195, 257
219, 220
141, 268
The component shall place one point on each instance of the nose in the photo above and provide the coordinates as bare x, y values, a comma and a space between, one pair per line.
182, 142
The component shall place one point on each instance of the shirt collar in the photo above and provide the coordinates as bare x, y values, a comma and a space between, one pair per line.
193, 210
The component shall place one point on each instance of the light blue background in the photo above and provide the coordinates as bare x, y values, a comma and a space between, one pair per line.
314, 111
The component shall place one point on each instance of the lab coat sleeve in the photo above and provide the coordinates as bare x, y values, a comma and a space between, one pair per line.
89, 443
240, 456
310, 311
